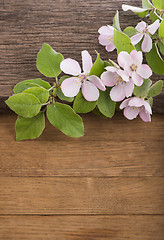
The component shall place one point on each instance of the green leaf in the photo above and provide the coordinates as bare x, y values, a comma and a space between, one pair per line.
122, 42
130, 31
155, 61
153, 16
98, 66
161, 31
54, 93
105, 104
41, 93
161, 47
116, 22
159, 4
97, 112
155, 89
147, 4
141, 12
107, 64
21, 86
63, 97
30, 128
143, 89
81, 105
48, 61
65, 119
24, 104
150, 101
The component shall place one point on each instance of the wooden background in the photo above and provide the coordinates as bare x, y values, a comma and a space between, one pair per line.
108, 184
69, 26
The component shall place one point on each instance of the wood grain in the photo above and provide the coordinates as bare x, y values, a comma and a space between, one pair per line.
82, 227
68, 25
108, 151
58, 195
117, 129
106, 185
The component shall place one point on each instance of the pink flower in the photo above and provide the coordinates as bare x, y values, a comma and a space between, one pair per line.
132, 64
89, 84
134, 106
145, 31
123, 85
106, 37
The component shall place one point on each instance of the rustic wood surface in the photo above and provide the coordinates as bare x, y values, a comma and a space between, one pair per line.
106, 185
122, 149
68, 25
98, 227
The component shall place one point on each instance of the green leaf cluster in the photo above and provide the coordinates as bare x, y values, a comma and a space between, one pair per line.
34, 97
147, 90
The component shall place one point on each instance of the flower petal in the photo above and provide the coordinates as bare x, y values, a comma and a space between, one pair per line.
129, 87
97, 82
137, 57
145, 116
90, 91
108, 78
106, 30
71, 86
110, 47
86, 61
141, 26
124, 103
146, 44
103, 40
147, 107
136, 102
111, 69
117, 93
70, 66
124, 75
144, 71
131, 113
124, 59
153, 27
136, 38
138, 81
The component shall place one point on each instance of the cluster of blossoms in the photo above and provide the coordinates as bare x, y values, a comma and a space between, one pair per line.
143, 32
122, 78
100, 86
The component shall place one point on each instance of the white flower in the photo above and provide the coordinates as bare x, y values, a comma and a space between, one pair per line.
145, 31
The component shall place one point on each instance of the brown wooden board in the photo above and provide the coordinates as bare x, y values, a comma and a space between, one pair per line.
69, 26
115, 147
25, 227
106, 185
78, 195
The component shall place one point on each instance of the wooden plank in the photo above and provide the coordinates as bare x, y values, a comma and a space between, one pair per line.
99, 153
96, 129
70, 195
82, 227
84, 158
69, 26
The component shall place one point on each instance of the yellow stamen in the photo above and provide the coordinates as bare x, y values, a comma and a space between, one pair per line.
133, 67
